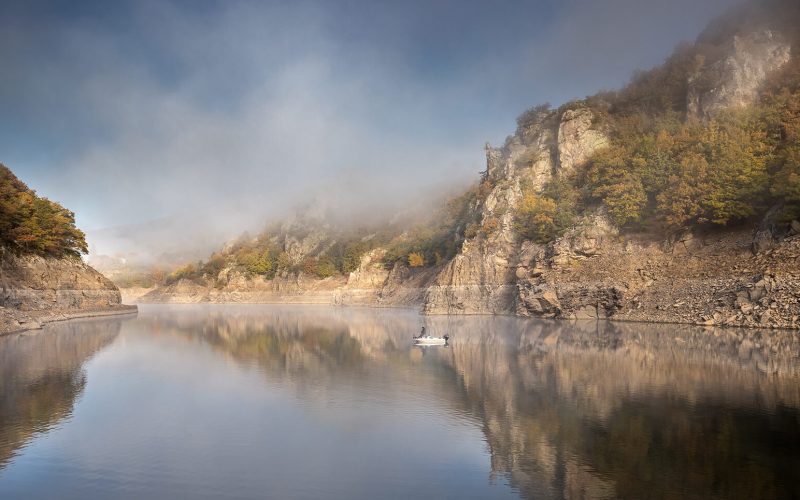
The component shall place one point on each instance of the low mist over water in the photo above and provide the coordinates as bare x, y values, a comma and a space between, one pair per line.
322, 402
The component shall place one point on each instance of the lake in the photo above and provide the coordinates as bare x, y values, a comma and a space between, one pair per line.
261, 401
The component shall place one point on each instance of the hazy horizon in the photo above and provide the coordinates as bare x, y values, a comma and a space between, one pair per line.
230, 113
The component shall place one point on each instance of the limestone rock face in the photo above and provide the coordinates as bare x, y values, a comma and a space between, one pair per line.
592, 271
37, 290
297, 248
577, 139
734, 80
33, 283
586, 240
538, 300
543, 292
371, 272
479, 280
365, 283
482, 278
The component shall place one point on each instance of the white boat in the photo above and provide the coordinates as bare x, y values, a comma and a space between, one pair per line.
428, 340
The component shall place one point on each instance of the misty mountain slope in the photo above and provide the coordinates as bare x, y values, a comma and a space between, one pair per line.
673, 199
316, 257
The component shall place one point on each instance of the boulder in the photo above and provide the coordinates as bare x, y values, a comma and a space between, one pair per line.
539, 302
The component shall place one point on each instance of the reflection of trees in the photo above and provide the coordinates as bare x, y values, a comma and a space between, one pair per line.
279, 343
316, 350
568, 409
636, 411
41, 377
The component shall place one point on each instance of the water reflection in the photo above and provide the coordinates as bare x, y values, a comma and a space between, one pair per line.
622, 410
41, 376
577, 409
569, 410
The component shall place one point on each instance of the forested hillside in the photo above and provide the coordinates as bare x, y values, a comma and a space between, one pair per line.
681, 153
30, 224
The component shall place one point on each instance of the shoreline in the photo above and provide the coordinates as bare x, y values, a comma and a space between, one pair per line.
419, 310
36, 320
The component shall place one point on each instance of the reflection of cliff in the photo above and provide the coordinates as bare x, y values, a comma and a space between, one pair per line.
568, 409
278, 342
41, 377
624, 410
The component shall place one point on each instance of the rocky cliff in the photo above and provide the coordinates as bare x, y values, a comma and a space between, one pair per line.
740, 277
735, 79
483, 277
37, 289
742, 274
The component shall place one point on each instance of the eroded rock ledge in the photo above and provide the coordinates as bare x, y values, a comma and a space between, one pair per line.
711, 279
37, 290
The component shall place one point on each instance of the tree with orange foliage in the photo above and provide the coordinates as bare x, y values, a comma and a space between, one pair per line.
416, 259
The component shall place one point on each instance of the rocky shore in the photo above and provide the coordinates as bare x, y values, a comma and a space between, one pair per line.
14, 321
593, 272
38, 290
716, 278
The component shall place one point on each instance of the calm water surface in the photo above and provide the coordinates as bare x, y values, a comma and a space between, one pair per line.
317, 402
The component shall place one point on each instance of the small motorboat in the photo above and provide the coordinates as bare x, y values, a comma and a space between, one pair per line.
429, 340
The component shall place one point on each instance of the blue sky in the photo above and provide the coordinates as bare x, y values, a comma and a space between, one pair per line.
130, 111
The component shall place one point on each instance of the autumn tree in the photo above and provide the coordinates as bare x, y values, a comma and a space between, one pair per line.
536, 217
32, 224
309, 265
416, 259
680, 202
614, 178
783, 128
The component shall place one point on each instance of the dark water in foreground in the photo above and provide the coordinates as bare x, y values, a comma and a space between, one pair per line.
316, 402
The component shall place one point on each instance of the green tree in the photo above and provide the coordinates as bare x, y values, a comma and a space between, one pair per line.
256, 261
325, 267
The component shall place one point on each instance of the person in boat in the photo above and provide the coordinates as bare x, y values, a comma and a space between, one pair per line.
421, 333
